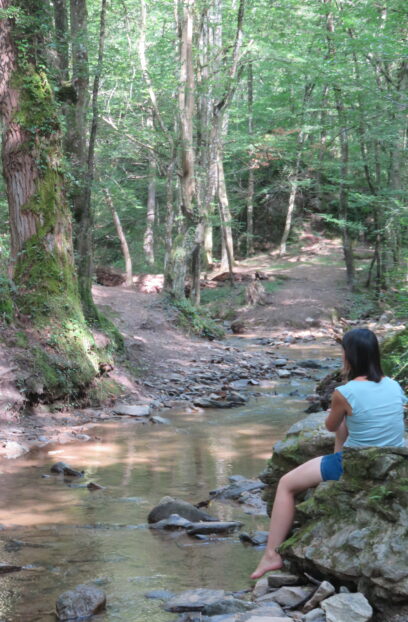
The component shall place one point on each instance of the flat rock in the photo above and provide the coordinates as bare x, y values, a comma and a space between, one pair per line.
135, 410
213, 527
278, 578
289, 596
280, 362
174, 521
168, 506
194, 600
257, 538
347, 607
283, 373
237, 488
81, 602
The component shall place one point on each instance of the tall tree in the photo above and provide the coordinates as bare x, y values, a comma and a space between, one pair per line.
40, 223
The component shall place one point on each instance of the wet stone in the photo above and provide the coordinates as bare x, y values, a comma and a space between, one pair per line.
64, 469
194, 600
159, 595
6, 568
213, 527
258, 538
81, 602
168, 506
174, 521
136, 410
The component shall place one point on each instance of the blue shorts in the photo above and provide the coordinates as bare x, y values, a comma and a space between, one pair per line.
331, 466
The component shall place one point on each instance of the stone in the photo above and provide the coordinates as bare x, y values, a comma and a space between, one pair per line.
212, 527
324, 590
135, 410
64, 469
280, 362
258, 538
6, 568
316, 615
194, 600
237, 488
290, 596
92, 486
159, 594
283, 373
168, 506
81, 602
13, 450
261, 588
265, 617
174, 521
346, 607
277, 578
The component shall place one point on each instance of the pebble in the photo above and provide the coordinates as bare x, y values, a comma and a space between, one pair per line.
347, 607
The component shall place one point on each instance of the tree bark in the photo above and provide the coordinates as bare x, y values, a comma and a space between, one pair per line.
40, 219
148, 239
122, 239
251, 176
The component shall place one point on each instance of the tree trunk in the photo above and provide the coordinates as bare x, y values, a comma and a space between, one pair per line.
251, 176
148, 240
227, 260
122, 239
40, 222
61, 35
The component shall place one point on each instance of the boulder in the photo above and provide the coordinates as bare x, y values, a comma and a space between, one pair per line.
306, 439
168, 506
346, 607
81, 602
355, 530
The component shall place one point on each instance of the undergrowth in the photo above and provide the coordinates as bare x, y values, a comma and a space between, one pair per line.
196, 320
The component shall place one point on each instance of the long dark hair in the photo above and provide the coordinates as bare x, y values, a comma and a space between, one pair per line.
362, 354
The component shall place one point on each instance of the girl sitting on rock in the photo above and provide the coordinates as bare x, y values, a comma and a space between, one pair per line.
365, 412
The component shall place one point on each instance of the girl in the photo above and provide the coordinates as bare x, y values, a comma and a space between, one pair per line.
365, 412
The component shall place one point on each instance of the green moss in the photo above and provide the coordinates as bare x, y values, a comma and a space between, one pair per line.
37, 111
196, 320
6, 301
395, 356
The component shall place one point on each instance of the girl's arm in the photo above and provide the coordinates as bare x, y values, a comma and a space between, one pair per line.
339, 408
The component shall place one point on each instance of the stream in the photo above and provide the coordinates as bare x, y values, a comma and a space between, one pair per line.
67, 535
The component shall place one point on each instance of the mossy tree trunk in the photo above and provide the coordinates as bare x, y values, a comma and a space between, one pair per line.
40, 222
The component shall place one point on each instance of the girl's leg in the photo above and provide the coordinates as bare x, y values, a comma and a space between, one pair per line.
341, 436
305, 476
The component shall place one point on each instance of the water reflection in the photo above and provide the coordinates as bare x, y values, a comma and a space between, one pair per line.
70, 535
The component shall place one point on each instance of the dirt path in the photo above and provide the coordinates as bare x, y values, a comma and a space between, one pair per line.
162, 359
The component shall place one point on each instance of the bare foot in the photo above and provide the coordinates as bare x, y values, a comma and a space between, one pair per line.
270, 561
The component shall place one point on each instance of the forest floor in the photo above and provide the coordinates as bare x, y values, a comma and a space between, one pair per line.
306, 296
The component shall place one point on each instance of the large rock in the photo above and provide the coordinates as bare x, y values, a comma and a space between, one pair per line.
355, 530
347, 607
306, 439
169, 506
81, 602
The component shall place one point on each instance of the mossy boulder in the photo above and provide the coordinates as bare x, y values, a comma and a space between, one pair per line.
356, 530
306, 439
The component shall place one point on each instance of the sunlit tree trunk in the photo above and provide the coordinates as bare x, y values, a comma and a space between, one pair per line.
122, 239
148, 239
251, 176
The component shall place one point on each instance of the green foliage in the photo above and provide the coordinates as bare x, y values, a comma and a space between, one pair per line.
395, 356
196, 320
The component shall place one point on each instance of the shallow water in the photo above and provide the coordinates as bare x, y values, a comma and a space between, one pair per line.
70, 535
